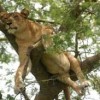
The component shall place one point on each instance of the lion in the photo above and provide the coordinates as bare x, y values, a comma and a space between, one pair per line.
28, 33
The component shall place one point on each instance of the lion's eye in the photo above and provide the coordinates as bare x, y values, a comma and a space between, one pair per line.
16, 16
5, 17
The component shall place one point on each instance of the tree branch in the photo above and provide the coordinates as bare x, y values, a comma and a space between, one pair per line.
76, 46
3, 39
44, 21
89, 63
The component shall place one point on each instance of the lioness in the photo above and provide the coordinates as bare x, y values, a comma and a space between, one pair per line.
28, 33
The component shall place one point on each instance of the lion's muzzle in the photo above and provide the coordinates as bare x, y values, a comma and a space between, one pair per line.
11, 28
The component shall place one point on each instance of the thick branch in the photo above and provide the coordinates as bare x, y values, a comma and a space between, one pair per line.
89, 63
10, 37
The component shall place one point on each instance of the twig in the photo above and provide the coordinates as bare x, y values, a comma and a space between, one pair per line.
45, 21
42, 81
3, 39
25, 95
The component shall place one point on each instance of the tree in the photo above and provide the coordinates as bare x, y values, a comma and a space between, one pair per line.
77, 24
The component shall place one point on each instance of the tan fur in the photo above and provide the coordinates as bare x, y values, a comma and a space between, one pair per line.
28, 33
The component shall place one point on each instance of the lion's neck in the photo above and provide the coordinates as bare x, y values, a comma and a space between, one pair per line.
30, 35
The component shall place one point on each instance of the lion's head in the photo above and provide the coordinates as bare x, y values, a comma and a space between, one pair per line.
14, 22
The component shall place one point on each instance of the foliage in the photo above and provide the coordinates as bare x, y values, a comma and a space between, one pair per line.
4, 55
77, 24
0, 95
9, 97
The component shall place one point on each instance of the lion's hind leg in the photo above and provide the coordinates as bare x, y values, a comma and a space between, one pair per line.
60, 65
75, 66
65, 78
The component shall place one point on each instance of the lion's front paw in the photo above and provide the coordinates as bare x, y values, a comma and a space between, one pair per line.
85, 84
19, 87
29, 50
78, 90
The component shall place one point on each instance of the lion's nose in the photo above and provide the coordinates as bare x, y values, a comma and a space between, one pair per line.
9, 23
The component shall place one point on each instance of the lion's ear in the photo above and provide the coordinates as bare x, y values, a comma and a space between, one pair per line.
2, 14
25, 13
